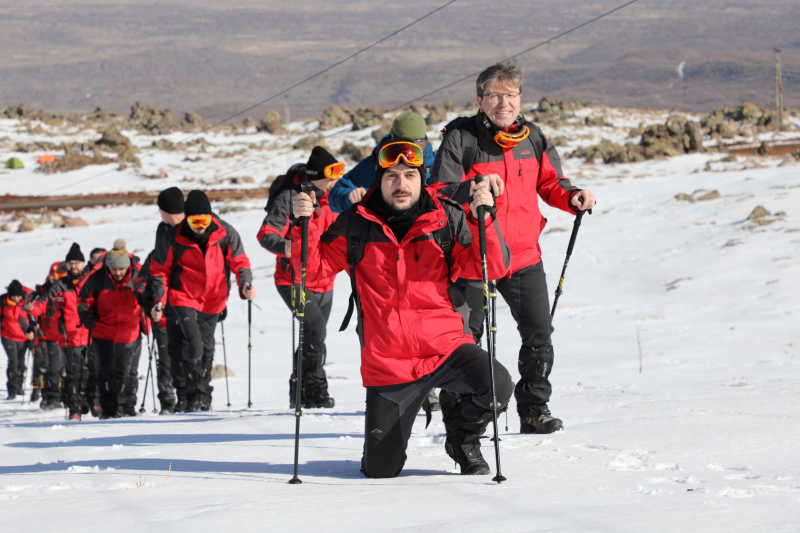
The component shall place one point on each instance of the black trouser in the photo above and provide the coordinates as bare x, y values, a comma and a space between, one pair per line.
166, 363
198, 351
15, 372
175, 340
317, 312
113, 373
132, 382
51, 360
77, 365
37, 372
525, 292
392, 409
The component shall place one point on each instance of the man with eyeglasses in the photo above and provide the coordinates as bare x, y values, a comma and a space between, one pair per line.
323, 172
521, 164
190, 269
411, 324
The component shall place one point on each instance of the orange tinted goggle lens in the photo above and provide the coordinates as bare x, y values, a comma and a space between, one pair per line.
390, 154
199, 221
334, 171
510, 140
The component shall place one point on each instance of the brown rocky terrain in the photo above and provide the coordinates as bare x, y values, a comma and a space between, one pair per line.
218, 58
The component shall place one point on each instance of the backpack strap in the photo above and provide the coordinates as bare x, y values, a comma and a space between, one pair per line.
356, 235
469, 142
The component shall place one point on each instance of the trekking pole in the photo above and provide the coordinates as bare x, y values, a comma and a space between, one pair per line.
298, 364
575, 226
249, 348
225, 360
29, 349
150, 364
490, 346
150, 348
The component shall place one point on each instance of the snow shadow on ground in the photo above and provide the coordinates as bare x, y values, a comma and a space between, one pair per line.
114, 422
179, 438
342, 469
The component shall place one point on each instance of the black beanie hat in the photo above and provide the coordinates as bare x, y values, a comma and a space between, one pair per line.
171, 201
317, 161
380, 171
197, 204
15, 289
75, 253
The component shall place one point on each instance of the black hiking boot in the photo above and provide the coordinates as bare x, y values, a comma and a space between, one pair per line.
35, 395
192, 406
319, 402
540, 421
469, 458
167, 408
180, 407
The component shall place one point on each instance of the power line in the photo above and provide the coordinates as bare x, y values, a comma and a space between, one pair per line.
306, 80
542, 43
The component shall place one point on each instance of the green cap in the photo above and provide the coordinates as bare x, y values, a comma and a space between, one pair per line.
409, 125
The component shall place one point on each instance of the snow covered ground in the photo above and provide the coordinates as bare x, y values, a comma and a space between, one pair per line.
677, 376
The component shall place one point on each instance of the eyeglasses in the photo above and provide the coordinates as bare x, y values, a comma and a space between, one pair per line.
390, 154
510, 140
334, 171
496, 97
199, 221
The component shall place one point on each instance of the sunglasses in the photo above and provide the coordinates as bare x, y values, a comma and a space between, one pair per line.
390, 154
199, 221
510, 140
334, 171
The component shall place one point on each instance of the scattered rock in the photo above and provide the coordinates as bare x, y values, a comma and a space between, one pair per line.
353, 152
758, 212
382, 132
309, 142
231, 209
5, 227
113, 141
73, 161
732, 242
698, 196
764, 149
128, 158
193, 119
436, 114
218, 371
27, 225
336, 116
271, 123
241, 180
163, 144
788, 161
73, 222
366, 117
162, 174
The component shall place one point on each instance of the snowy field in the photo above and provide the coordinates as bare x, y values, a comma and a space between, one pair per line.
677, 375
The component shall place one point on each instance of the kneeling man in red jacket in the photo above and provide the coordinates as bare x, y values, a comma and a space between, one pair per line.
413, 324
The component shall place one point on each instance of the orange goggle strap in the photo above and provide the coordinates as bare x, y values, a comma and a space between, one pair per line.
391, 153
199, 221
510, 140
334, 171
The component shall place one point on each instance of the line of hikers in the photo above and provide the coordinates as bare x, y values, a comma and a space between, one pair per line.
403, 223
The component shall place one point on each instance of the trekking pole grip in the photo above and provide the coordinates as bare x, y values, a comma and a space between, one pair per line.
306, 187
481, 219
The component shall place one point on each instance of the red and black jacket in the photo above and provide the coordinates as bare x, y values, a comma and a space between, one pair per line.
15, 319
185, 275
114, 306
408, 324
275, 234
63, 296
518, 213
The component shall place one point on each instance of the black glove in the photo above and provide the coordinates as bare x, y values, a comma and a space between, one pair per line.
89, 322
223, 315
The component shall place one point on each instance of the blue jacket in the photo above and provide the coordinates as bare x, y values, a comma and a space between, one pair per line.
363, 175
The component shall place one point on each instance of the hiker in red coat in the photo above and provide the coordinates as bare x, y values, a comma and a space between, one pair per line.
190, 269
53, 364
412, 323
16, 333
522, 165
110, 308
80, 385
322, 170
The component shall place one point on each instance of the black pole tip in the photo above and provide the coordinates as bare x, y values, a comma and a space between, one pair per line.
295, 481
499, 478
142, 410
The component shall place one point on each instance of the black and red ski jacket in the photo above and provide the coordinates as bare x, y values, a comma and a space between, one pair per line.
275, 233
113, 306
15, 319
407, 322
518, 213
63, 296
183, 275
